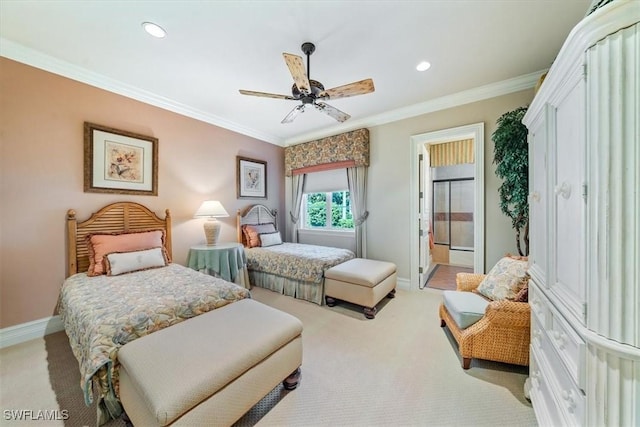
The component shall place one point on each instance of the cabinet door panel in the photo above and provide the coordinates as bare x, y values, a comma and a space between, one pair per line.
567, 203
537, 202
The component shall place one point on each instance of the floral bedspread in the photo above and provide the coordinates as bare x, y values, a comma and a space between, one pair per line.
103, 313
296, 260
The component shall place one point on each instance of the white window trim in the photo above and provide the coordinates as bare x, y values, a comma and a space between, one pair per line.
336, 232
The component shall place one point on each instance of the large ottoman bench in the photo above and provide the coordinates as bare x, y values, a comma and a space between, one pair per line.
360, 281
211, 369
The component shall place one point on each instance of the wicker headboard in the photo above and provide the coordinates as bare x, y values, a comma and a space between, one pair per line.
255, 214
114, 218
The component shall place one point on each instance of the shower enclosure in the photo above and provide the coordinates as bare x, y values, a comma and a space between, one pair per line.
453, 201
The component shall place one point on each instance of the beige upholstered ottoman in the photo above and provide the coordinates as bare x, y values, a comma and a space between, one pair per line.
360, 281
211, 369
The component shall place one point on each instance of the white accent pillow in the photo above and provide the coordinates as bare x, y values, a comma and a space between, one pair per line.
270, 239
128, 262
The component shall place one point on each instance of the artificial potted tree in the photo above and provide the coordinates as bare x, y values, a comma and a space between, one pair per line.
511, 155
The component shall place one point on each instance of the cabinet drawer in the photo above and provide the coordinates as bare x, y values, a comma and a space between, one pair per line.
563, 395
544, 405
537, 303
562, 338
538, 334
570, 347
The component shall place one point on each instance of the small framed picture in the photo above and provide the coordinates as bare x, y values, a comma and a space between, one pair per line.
252, 178
119, 162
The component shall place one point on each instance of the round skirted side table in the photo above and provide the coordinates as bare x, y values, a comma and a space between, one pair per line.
225, 260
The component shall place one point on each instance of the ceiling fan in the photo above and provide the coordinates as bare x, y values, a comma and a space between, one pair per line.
312, 92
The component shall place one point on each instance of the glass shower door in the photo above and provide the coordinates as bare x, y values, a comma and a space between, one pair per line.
461, 217
453, 203
441, 212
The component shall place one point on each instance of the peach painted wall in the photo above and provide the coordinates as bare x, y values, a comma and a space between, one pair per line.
41, 177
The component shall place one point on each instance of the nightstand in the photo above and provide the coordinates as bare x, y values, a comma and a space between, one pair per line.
225, 260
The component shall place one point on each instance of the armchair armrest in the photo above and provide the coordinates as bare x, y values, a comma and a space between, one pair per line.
468, 281
507, 313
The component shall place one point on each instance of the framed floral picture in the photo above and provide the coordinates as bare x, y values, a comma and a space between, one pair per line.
119, 162
251, 178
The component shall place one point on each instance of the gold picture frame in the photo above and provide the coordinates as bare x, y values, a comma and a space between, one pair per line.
251, 178
119, 162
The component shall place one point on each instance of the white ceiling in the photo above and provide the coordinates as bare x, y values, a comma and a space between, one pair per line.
214, 48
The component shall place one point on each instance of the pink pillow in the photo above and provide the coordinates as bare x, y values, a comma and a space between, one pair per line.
102, 244
252, 233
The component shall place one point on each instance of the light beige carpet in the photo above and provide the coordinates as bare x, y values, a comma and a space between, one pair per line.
399, 369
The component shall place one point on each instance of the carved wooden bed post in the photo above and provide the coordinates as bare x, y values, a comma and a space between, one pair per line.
72, 227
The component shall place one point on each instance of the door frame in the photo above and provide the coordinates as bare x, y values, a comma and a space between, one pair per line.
423, 211
476, 132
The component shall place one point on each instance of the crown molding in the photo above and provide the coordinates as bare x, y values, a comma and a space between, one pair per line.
34, 58
25, 55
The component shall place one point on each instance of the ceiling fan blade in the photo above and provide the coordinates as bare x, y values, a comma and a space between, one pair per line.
266, 95
340, 116
351, 89
299, 74
293, 114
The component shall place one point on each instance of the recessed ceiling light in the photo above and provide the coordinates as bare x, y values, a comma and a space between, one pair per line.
423, 66
154, 29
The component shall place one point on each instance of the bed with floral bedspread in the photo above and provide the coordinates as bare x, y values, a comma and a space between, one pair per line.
294, 269
101, 314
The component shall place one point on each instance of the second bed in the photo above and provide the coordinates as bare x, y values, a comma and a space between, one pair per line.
293, 269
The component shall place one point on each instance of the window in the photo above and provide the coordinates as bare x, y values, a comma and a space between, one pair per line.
317, 207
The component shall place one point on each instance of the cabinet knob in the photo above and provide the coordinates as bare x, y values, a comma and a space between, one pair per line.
568, 397
537, 338
563, 190
535, 379
560, 338
535, 196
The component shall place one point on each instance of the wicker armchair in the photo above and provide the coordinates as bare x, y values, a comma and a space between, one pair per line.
502, 335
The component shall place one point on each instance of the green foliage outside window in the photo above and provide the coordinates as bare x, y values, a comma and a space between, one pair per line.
341, 216
317, 210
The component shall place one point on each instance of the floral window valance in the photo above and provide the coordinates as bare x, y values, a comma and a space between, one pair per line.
349, 148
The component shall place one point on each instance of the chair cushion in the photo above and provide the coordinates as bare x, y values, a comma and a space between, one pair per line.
505, 279
466, 308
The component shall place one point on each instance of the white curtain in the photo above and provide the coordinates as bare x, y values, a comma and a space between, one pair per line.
357, 181
297, 187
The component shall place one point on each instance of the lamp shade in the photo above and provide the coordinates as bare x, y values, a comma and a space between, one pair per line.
211, 209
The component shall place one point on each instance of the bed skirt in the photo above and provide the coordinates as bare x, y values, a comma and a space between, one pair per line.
308, 291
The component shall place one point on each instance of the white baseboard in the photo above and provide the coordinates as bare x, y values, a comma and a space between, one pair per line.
404, 284
30, 330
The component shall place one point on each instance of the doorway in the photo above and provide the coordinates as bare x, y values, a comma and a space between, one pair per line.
422, 191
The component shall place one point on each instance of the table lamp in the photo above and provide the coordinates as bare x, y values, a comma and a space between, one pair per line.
211, 209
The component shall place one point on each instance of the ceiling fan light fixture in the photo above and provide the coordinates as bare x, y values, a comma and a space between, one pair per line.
154, 29
423, 66
310, 92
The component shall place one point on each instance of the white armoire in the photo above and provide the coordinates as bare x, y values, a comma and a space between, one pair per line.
584, 201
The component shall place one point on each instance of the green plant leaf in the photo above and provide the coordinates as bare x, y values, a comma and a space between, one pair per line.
511, 157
